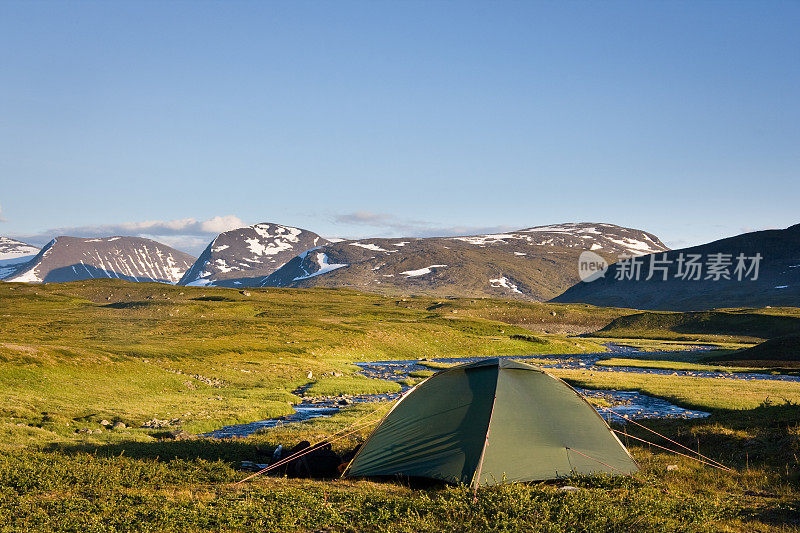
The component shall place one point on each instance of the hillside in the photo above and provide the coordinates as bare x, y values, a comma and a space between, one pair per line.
13, 253
531, 264
242, 256
747, 325
778, 352
130, 258
777, 282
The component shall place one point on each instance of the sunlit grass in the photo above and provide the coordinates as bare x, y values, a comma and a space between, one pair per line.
687, 391
670, 365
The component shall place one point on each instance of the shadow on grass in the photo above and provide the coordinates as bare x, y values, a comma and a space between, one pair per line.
228, 450
322, 463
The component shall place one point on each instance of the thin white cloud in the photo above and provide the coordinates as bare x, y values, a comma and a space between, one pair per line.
187, 234
192, 244
388, 223
364, 217
2, 218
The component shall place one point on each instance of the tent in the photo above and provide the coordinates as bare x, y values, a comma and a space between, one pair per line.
489, 422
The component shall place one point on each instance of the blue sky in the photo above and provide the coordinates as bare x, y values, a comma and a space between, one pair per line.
181, 119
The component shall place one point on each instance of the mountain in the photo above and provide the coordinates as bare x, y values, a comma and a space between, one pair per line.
244, 256
13, 253
533, 264
130, 258
776, 283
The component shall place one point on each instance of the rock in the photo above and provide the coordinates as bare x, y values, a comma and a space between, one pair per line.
250, 466
155, 423
671, 468
105, 423
180, 434
245, 293
344, 401
310, 375
119, 425
553, 313
568, 488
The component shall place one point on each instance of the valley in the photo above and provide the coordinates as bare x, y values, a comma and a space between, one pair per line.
164, 363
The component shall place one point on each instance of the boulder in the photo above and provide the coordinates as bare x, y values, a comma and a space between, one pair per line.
180, 434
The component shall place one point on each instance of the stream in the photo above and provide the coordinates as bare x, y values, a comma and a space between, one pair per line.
625, 403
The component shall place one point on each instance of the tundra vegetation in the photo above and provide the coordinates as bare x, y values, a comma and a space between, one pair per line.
186, 360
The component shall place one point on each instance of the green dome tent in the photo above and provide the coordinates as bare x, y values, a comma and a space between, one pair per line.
489, 422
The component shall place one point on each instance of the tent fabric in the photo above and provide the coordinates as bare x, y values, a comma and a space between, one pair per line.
489, 422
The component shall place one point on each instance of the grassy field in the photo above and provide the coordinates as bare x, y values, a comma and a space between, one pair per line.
76, 354
688, 391
72, 355
671, 365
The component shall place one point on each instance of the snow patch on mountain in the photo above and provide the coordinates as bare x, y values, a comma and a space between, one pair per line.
370, 246
325, 266
484, 239
421, 271
504, 283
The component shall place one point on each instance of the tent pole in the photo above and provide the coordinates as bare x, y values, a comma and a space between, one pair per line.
477, 479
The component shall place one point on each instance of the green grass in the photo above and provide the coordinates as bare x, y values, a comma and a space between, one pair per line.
416, 377
670, 365
438, 365
660, 345
133, 495
537, 317
732, 325
691, 392
335, 386
189, 486
74, 354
